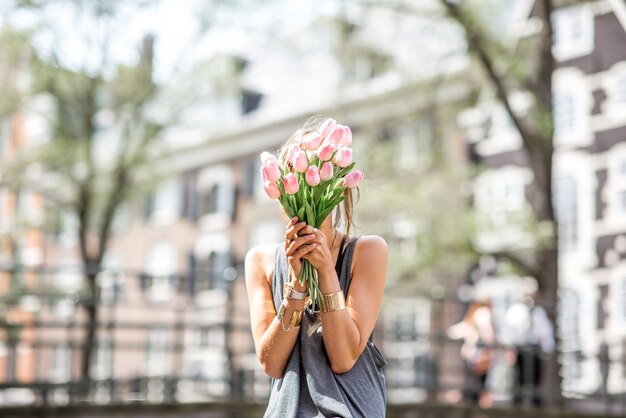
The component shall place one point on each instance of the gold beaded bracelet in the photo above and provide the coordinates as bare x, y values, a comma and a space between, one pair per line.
296, 316
332, 302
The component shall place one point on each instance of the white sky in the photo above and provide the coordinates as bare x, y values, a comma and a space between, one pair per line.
75, 36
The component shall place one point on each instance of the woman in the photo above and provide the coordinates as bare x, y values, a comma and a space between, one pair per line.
322, 363
476, 330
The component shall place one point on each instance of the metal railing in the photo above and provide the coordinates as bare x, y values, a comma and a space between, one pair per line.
159, 341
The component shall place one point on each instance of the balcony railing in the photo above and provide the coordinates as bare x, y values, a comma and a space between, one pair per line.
189, 347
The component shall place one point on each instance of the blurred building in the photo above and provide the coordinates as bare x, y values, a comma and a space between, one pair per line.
589, 96
172, 297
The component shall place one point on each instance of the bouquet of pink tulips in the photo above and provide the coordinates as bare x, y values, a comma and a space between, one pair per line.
312, 182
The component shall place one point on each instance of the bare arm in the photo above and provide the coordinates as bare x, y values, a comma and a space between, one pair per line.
346, 331
273, 345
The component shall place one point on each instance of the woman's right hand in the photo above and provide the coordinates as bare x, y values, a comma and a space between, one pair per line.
297, 248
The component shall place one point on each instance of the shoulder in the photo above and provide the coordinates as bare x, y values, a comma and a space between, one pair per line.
259, 261
370, 245
370, 249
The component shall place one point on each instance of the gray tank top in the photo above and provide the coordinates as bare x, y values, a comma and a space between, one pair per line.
309, 388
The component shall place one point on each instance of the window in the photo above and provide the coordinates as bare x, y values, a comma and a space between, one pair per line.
213, 271
564, 113
617, 183
210, 200
617, 294
566, 207
157, 352
620, 91
569, 329
573, 34
500, 200
61, 364
250, 101
416, 144
572, 108
167, 204
103, 361
406, 341
217, 193
161, 268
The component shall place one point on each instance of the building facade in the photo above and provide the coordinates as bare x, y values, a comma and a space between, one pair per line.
589, 140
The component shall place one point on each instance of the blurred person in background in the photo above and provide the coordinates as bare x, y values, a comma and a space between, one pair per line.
527, 328
323, 363
477, 331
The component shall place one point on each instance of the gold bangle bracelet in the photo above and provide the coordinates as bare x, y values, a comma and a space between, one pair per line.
296, 317
332, 302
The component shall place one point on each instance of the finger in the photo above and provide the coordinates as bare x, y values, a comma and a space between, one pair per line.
308, 229
293, 247
305, 249
294, 229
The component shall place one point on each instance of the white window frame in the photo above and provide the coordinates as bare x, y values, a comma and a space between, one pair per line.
566, 46
578, 166
168, 201
157, 357
223, 176
161, 262
407, 350
416, 144
103, 361
572, 83
61, 370
616, 185
614, 84
617, 292
495, 207
502, 136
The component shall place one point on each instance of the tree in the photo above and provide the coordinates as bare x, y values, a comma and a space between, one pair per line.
521, 67
69, 169
500, 64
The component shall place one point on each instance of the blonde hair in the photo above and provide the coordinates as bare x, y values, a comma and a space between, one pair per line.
345, 210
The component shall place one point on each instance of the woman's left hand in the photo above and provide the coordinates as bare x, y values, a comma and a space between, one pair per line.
320, 257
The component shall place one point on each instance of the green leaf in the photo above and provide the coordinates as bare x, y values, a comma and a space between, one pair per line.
318, 192
315, 160
301, 214
344, 171
310, 213
324, 213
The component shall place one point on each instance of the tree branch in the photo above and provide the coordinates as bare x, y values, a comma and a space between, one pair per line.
526, 266
476, 44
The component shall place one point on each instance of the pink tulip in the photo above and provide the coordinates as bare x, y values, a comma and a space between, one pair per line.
291, 151
327, 127
300, 163
265, 156
291, 184
336, 135
326, 151
272, 190
312, 176
326, 172
313, 141
270, 170
343, 158
346, 139
354, 178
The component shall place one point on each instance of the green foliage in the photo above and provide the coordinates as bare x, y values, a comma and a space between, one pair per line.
430, 200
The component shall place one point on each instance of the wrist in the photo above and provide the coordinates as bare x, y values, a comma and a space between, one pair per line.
328, 281
295, 304
295, 283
